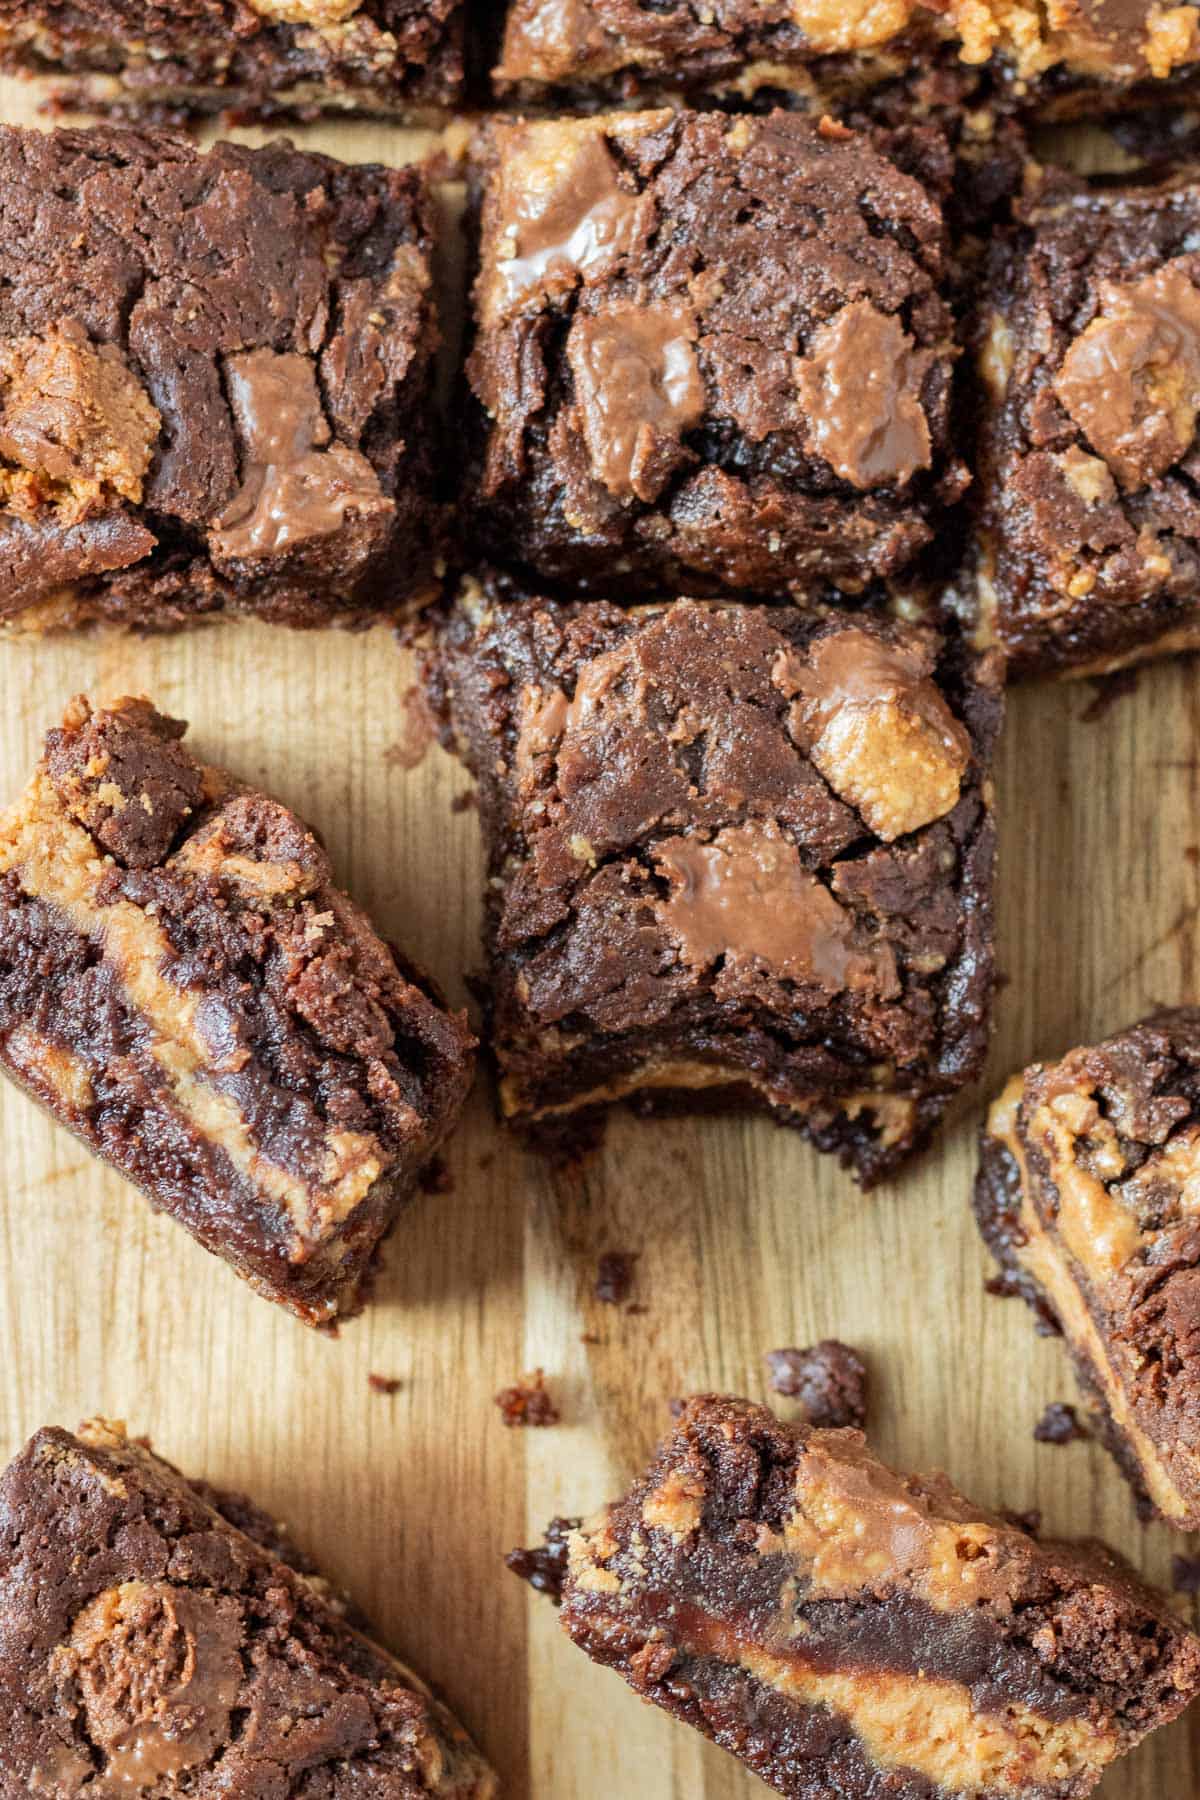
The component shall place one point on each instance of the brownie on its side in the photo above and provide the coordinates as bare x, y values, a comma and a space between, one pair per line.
150, 1646
182, 985
399, 58
1063, 57
737, 854
847, 1630
1089, 1196
710, 356
1089, 351
215, 375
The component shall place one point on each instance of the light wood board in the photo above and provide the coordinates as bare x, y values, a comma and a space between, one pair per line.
747, 1239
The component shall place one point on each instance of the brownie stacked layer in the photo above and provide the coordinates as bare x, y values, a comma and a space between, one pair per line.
1089, 1196
182, 985
154, 1644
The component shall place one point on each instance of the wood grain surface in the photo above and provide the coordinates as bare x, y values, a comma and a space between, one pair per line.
747, 1239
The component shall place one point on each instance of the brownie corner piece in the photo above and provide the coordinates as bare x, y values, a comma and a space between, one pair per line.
183, 986
215, 381
738, 856
397, 59
1087, 1195
711, 356
150, 1645
844, 1628
1088, 339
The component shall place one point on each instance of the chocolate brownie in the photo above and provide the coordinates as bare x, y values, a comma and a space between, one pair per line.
711, 356
150, 1646
737, 854
1088, 553
399, 58
214, 382
182, 985
1087, 1193
1061, 57
844, 1629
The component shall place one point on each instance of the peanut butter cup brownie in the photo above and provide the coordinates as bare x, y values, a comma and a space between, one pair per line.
737, 855
1089, 351
711, 355
1089, 1196
399, 58
150, 1646
844, 1629
214, 382
182, 985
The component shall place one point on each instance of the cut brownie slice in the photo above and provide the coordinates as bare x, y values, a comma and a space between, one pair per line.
1089, 1196
149, 1646
1061, 57
215, 376
711, 356
735, 851
847, 1630
399, 58
1089, 348
182, 985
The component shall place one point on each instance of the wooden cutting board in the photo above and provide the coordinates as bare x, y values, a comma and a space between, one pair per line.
747, 1239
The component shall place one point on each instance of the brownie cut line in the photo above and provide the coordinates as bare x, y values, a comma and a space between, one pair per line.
399, 59
845, 1629
1087, 554
711, 356
215, 380
738, 856
152, 1642
1088, 1194
183, 987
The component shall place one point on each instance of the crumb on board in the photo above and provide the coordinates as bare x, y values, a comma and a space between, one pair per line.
1059, 1424
829, 1380
527, 1402
384, 1384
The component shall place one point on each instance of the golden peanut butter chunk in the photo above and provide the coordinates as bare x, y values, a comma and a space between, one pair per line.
317, 13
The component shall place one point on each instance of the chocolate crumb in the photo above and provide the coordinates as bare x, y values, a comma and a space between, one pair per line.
1029, 1522
384, 1384
1192, 852
614, 1276
829, 1380
1059, 1424
637, 1308
435, 1178
1108, 690
467, 801
1185, 1574
545, 1568
527, 1402
417, 731
590, 1337
675, 1408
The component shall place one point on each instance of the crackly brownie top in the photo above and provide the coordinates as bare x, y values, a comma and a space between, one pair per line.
712, 339
222, 927
1091, 350
149, 1647
697, 809
567, 41
200, 354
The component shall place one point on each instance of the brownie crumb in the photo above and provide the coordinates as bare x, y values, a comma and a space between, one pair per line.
527, 1402
1059, 1424
384, 1384
829, 1380
1108, 689
436, 1178
417, 731
1030, 1521
677, 1407
1185, 1574
467, 801
614, 1276
590, 1337
545, 1568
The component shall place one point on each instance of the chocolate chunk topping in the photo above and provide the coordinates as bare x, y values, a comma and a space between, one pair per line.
1059, 1424
545, 1569
829, 1380
527, 1402
125, 776
746, 897
639, 390
860, 386
294, 487
1131, 379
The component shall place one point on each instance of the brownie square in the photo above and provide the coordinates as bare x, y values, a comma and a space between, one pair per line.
152, 1643
1089, 352
215, 382
1087, 1194
847, 1630
401, 59
184, 988
711, 355
737, 855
